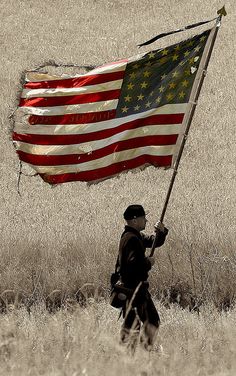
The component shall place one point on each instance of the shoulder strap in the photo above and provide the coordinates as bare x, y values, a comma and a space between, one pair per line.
124, 237
117, 267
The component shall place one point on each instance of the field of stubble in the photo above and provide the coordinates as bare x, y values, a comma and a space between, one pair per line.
55, 241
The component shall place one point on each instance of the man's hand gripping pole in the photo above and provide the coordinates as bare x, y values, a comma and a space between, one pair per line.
158, 228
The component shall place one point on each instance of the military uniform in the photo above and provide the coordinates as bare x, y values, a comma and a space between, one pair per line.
133, 268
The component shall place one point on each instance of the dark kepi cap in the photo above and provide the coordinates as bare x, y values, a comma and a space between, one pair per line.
134, 211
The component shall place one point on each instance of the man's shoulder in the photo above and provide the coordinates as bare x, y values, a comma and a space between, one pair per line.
128, 235
129, 239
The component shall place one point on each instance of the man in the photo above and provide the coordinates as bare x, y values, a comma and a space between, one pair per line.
133, 267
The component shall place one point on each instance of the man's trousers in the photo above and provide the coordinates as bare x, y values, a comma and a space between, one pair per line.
141, 315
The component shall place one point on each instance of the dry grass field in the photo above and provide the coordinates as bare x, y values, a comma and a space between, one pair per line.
64, 237
85, 343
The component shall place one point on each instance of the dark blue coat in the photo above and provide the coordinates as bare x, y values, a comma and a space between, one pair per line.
133, 264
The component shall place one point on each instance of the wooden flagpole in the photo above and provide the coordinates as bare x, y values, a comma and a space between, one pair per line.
193, 102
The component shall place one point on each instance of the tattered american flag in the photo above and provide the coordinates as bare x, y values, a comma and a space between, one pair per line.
117, 117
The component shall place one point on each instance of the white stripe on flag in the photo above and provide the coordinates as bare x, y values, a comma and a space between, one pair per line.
42, 93
71, 109
110, 68
108, 160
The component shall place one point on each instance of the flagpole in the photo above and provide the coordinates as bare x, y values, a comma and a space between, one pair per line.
193, 102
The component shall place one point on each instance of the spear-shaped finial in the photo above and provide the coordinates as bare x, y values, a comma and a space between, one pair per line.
222, 11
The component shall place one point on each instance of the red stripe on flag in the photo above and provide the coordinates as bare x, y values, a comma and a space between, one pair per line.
40, 139
70, 99
56, 160
89, 117
109, 171
94, 79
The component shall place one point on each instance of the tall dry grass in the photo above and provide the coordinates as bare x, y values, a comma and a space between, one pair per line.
85, 342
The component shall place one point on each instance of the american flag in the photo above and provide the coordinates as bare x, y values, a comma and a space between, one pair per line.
116, 117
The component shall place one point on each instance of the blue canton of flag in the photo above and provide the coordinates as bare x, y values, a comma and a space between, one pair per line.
161, 77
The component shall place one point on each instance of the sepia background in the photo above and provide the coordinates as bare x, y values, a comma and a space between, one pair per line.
70, 233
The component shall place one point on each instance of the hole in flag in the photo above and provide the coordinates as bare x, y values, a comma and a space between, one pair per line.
193, 70
196, 59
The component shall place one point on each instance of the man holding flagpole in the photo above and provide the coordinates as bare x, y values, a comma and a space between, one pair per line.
133, 267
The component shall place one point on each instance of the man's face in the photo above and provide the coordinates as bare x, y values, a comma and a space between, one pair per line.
141, 223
